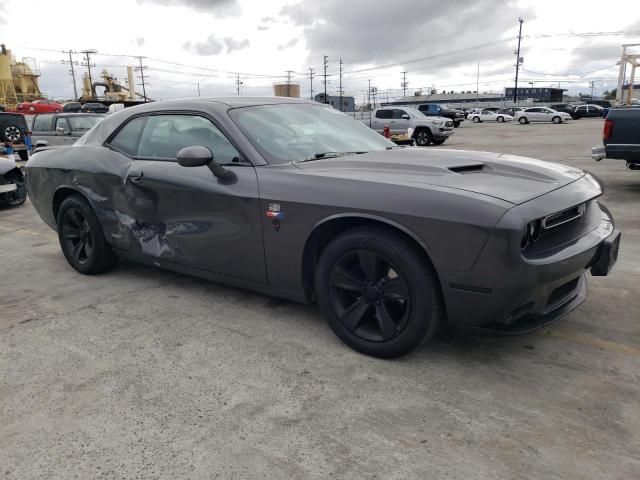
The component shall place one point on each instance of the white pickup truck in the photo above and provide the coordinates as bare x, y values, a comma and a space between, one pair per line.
426, 130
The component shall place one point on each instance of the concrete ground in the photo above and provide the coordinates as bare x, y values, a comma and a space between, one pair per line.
142, 373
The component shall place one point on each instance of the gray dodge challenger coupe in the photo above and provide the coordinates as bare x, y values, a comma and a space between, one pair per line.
295, 199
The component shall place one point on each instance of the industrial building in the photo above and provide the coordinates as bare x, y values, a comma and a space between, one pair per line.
18, 79
348, 103
455, 98
538, 94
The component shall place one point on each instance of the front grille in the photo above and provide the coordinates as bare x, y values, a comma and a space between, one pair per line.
563, 292
565, 216
448, 124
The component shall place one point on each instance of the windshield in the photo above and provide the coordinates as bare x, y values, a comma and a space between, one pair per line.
83, 123
294, 132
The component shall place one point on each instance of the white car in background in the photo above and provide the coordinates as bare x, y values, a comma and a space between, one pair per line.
485, 115
541, 114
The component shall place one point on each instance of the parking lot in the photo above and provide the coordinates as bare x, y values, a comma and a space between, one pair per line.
143, 373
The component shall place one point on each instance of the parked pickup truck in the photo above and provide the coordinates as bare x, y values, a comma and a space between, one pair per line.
621, 137
56, 129
435, 110
426, 130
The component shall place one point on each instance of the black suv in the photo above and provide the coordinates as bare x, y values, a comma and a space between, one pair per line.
12, 129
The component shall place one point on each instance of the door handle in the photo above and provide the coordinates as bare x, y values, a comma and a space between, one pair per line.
135, 177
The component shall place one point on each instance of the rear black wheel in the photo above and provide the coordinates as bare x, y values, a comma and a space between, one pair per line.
456, 124
500, 119
523, 120
377, 292
10, 133
19, 196
556, 120
476, 119
82, 239
24, 155
423, 137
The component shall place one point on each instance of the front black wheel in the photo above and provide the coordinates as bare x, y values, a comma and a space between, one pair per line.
456, 124
423, 137
81, 237
377, 292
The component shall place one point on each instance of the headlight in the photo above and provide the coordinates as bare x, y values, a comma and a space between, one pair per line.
531, 233
437, 122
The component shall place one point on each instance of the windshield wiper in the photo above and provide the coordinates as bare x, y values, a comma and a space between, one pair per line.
318, 156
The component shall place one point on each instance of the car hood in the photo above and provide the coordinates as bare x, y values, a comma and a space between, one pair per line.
509, 178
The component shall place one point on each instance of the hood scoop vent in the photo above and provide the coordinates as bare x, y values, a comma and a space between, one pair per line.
471, 168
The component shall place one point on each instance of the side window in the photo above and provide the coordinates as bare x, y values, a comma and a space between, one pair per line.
127, 139
165, 135
42, 123
383, 114
397, 114
62, 123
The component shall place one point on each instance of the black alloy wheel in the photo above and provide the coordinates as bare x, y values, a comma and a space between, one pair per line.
423, 137
77, 235
371, 300
82, 239
378, 292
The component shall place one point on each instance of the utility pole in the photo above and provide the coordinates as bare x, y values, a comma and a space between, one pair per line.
72, 72
477, 83
404, 84
198, 87
87, 56
325, 78
311, 73
340, 70
238, 83
369, 96
515, 90
289, 72
141, 69
592, 87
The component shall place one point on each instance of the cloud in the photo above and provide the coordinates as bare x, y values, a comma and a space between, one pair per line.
370, 33
233, 44
263, 27
291, 43
219, 7
268, 20
214, 46
140, 41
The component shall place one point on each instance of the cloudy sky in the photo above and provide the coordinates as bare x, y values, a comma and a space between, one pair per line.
439, 43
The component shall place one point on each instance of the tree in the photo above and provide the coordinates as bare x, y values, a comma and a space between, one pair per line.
610, 95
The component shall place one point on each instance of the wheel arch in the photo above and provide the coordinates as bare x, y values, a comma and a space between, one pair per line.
61, 194
328, 228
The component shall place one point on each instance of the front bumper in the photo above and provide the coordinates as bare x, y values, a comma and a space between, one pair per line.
509, 292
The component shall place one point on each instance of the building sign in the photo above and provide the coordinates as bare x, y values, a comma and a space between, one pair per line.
530, 92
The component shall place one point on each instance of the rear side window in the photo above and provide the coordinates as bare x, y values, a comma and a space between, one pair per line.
62, 123
383, 114
398, 114
128, 138
42, 123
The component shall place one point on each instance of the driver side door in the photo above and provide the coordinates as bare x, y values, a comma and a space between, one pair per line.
186, 215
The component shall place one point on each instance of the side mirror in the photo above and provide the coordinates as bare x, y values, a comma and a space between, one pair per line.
61, 131
199, 156
406, 116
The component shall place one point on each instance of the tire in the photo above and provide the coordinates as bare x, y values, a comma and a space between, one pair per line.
423, 137
386, 308
80, 232
476, 119
24, 155
556, 120
500, 119
10, 132
523, 120
439, 142
456, 124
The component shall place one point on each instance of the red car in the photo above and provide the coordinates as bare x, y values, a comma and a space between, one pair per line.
39, 106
